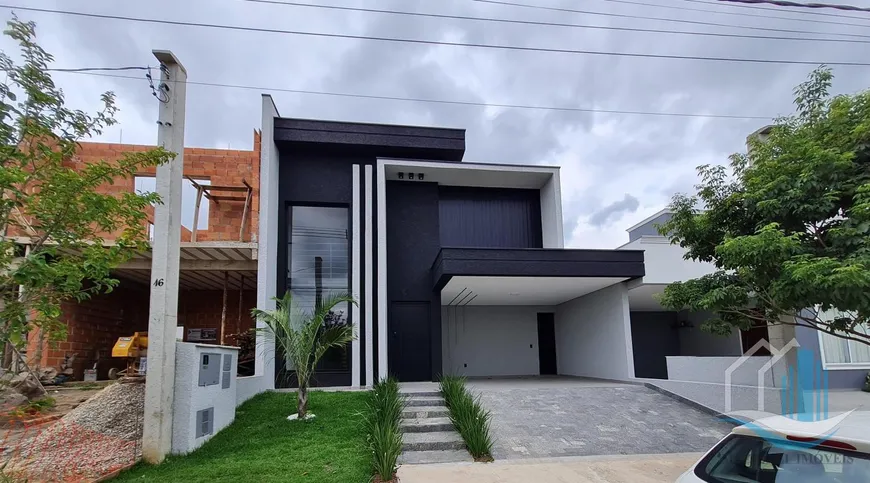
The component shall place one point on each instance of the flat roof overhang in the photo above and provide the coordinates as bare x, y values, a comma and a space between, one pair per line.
335, 137
643, 297
535, 262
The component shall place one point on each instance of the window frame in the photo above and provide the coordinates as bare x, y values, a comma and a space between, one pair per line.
839, 366
288, 286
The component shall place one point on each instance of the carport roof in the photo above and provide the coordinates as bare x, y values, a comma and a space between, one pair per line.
535, 262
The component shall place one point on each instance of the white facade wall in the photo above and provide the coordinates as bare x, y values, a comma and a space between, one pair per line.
267, 248
713, 370
593, 335
551, 214
481, 340
190, 397
664, 262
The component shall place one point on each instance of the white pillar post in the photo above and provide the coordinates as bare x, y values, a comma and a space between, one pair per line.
355, 277
163, 311
383, 370
369, 270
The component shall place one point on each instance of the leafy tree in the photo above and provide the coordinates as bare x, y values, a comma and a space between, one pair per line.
56, 214
304, 337
786, 224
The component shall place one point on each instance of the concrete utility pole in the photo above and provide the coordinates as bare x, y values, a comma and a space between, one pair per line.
163, 312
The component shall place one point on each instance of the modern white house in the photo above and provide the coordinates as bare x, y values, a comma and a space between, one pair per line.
458, 267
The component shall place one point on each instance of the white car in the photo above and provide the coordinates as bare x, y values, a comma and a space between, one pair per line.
788, 453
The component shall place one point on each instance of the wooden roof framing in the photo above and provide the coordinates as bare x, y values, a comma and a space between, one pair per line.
207, 191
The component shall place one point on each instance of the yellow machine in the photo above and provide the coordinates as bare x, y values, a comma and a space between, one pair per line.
135, 350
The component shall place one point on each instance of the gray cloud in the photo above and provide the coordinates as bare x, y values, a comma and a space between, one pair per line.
628, 204
601, 155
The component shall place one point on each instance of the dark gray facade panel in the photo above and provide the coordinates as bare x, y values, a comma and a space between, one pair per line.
490, 217
535, 263
649, 228
315, 179
837, 379
413, 241
371, 140
654, 336
368, 128
310, 179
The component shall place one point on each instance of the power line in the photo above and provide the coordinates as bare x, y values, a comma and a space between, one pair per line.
549, 24
95, 69
821, 14
446, 101
438, 42
739, 14
662, 19
785, 3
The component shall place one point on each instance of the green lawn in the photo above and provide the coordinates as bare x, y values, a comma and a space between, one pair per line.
262, 446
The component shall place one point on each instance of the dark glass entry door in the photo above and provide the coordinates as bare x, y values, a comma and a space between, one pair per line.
547, 343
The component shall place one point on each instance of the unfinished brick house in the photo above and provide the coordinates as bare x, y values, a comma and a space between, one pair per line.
220, 207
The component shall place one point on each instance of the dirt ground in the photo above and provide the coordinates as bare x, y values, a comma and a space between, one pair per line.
663, 468
66, 397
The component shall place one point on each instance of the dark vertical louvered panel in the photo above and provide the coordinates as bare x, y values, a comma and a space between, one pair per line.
489, 217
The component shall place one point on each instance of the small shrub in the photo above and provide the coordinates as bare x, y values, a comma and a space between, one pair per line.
33, 408
382, 417
468, 417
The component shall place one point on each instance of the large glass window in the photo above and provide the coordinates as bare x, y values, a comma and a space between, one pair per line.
842, 352
318, 265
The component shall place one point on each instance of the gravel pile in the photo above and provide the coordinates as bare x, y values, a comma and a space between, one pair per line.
99, 437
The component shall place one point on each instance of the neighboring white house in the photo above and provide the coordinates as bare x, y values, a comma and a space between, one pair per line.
671, 345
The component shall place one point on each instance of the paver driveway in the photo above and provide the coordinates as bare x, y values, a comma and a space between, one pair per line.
535, 418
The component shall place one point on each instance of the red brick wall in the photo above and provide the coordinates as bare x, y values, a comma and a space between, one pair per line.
95, 325
201, 309
222, 167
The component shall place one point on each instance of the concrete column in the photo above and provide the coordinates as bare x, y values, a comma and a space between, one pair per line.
780, 336
163, 311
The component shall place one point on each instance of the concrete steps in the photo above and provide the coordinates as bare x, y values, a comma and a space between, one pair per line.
426, 425
428, 435
422, 412
433, 441
430, 457
415, 401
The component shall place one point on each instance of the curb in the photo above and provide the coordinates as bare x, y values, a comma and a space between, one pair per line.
689, 402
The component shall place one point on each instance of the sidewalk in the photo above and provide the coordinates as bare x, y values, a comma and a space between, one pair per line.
663, 468
711, 397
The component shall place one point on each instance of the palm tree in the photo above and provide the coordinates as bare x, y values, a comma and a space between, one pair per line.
304, 336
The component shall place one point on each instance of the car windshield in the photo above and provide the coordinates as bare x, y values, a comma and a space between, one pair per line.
747, 459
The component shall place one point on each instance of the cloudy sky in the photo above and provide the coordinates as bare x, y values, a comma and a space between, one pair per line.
616, 168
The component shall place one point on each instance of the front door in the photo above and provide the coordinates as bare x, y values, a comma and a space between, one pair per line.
547, 343
410, 345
